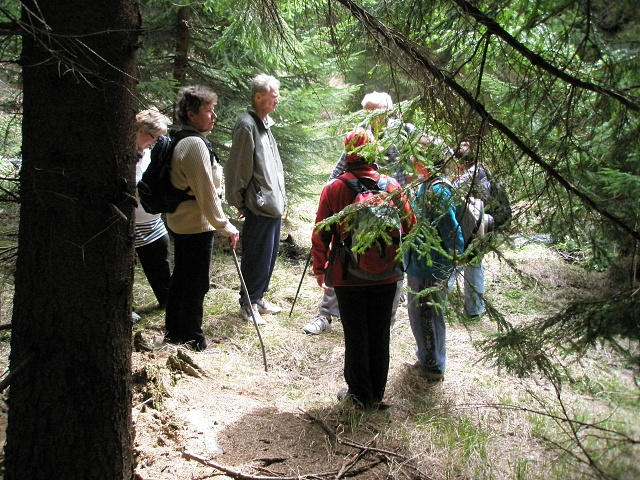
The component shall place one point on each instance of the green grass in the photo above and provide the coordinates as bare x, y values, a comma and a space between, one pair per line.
615, 390
478, 424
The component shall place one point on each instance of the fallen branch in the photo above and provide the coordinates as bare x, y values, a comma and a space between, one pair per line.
244, 476
7, 380
346, 466
346, 442
322, 423
406, 462
350, 443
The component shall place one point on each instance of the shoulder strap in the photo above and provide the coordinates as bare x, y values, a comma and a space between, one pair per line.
259, 122
438, 181
354, 184
182, 134
359, 185
162, 149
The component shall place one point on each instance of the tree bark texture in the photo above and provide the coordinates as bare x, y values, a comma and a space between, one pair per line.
181, 62
70, 403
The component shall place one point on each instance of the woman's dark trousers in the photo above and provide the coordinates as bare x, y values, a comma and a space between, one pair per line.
365, 313
188, 287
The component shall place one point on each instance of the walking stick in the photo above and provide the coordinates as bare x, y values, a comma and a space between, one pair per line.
300, 285
248, 300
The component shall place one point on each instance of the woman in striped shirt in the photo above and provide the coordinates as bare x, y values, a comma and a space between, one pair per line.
151, 237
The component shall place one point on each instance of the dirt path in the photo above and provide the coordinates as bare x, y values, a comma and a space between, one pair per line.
281, 422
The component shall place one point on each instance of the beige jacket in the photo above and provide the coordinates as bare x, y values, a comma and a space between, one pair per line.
191, 168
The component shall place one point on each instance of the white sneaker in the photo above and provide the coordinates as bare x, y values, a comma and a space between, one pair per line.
266, 307
319, 324
246, 313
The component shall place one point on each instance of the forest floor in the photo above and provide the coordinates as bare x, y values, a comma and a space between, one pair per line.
221, 414
230, 417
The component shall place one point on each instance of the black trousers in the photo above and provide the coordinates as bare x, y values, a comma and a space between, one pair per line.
260, 243
188, 287
365, 313
155, 259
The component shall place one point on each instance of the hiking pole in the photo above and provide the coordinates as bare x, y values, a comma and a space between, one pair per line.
248, 300
300, 285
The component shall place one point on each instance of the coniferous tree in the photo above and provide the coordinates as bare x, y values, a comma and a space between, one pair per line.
70, 399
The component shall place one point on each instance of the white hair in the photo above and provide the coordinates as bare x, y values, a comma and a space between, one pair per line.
263, 83
382, 100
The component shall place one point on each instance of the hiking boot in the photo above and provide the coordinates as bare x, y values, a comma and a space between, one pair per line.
266, 307
245, 313
135, 318
419, 371
319, 324
196, 345
171, 338
344, 395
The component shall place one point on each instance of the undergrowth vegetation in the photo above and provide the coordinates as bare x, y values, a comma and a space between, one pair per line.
516, 402
497, 415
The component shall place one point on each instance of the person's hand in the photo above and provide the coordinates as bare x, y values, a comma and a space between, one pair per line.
233, 239
240, 213
320, 280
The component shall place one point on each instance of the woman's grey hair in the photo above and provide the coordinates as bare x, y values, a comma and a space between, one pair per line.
263, 83
190, 99
378, 99
152, 121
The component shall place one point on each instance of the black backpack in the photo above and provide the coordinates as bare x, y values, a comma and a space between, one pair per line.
155, 190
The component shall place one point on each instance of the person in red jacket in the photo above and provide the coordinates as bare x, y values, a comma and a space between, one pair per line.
365, 305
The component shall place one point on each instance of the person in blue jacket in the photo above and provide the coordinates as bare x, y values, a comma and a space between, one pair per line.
428, 265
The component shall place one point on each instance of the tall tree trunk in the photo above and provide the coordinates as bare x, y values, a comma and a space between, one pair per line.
181, 61
70, 399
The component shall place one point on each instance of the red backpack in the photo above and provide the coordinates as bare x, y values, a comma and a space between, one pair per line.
369, 246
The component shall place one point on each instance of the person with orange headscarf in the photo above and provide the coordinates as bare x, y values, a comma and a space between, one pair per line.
365, 305
380, 123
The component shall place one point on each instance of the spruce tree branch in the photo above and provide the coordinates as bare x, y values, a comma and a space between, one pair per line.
556, 418
573, 431
9, 29
421, 58
537, 60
